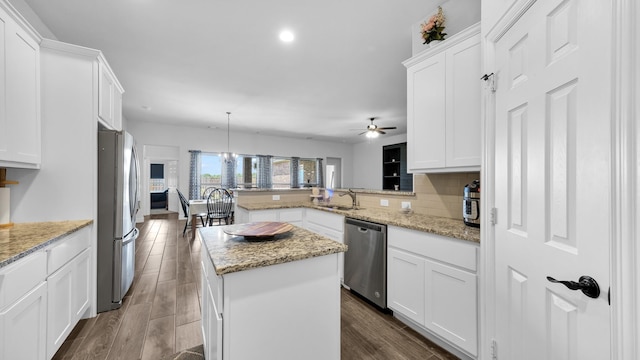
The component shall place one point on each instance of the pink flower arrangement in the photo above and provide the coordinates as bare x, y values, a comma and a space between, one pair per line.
432, 29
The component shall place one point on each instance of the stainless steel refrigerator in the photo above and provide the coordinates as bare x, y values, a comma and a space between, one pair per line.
118, 195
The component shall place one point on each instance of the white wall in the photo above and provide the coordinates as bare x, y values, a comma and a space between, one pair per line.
65, 187
34, 20
367, 161
212, 140
459, 15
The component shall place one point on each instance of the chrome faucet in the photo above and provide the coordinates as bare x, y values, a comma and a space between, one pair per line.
353, 197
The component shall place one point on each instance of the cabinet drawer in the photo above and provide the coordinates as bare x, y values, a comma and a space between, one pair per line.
290, 215
264, 215
330, 233
445, 249
325, 219
67, 248
20, 277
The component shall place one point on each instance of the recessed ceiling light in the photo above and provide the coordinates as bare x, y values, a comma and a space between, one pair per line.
286, 36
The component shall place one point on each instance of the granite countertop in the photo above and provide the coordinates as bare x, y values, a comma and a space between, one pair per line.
25, 238
234, 253
433, 224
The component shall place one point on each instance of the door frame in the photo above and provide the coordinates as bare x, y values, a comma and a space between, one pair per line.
625, 180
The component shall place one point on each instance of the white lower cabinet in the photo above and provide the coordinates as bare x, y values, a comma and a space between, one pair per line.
327, 224
290, 215
432, 282
286, 311
23, 326
68, 299
211, 316
405, 285
43, 296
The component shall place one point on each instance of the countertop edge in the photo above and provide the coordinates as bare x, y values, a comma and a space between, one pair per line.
470, 234
328, 247
44, 244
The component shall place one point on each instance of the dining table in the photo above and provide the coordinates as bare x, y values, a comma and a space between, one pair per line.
196, 208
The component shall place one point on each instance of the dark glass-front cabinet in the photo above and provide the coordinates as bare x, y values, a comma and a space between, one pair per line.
394, 168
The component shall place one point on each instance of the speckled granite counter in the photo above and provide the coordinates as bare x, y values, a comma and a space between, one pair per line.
25, 238
432, 224
234, 253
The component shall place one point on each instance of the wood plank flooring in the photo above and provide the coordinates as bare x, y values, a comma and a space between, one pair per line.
160, 314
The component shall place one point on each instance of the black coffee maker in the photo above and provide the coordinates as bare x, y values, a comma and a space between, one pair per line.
471, 204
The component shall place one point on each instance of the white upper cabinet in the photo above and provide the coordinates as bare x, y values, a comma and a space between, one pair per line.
443, 106
109, 98
19, 93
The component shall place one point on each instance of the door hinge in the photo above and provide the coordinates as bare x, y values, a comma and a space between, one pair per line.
494, 349
493, 216
489, 82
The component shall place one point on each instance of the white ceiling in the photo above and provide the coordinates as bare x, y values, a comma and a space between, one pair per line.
191, 61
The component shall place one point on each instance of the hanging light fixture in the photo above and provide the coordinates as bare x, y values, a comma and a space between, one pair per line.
228, 156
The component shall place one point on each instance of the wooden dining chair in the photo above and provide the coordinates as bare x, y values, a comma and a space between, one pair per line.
185, 209
207, 191
219, 205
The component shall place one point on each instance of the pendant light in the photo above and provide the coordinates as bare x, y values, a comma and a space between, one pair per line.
228, 156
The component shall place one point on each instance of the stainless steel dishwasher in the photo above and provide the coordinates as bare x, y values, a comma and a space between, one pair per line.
365, 262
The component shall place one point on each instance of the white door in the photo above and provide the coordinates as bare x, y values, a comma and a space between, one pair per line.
553, 181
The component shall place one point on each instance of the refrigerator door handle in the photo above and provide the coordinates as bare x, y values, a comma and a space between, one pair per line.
135, 233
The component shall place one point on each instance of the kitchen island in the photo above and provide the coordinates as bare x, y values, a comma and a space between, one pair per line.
272, 299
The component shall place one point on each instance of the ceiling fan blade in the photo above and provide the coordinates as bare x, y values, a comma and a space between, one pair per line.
364, 132
387, 128
380, 131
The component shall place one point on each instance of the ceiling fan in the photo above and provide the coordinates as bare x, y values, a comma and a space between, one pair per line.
373, 130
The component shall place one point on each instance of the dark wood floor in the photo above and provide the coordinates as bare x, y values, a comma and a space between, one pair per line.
161, 312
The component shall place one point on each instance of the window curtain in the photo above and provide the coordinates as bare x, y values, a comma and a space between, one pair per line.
229, 174
295, 166
264, 171
194, 174
319, 173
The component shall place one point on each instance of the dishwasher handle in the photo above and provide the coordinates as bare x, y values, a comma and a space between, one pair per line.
365, 225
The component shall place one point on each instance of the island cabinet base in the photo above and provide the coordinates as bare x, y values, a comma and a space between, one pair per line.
284, 311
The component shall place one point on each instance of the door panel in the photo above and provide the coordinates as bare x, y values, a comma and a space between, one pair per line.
553, 160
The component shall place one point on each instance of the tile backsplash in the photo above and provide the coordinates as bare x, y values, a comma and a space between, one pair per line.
434, 194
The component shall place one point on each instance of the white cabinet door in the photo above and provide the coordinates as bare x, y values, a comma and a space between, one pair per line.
19, 96
68, 299
263, 215
213, 336
23, 326
106, 94
426, 114
117, 109
443, 106
450, 304
463, 93
405, 284
60, 312
81, 284
291, 216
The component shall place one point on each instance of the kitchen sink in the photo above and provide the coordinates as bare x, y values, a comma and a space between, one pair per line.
337, 207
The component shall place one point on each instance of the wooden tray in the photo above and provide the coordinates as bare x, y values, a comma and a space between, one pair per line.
258, 230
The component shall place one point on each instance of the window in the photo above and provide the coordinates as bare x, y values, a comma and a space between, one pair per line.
307, 172
251, 171
246, 171
281, 173
210, 171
